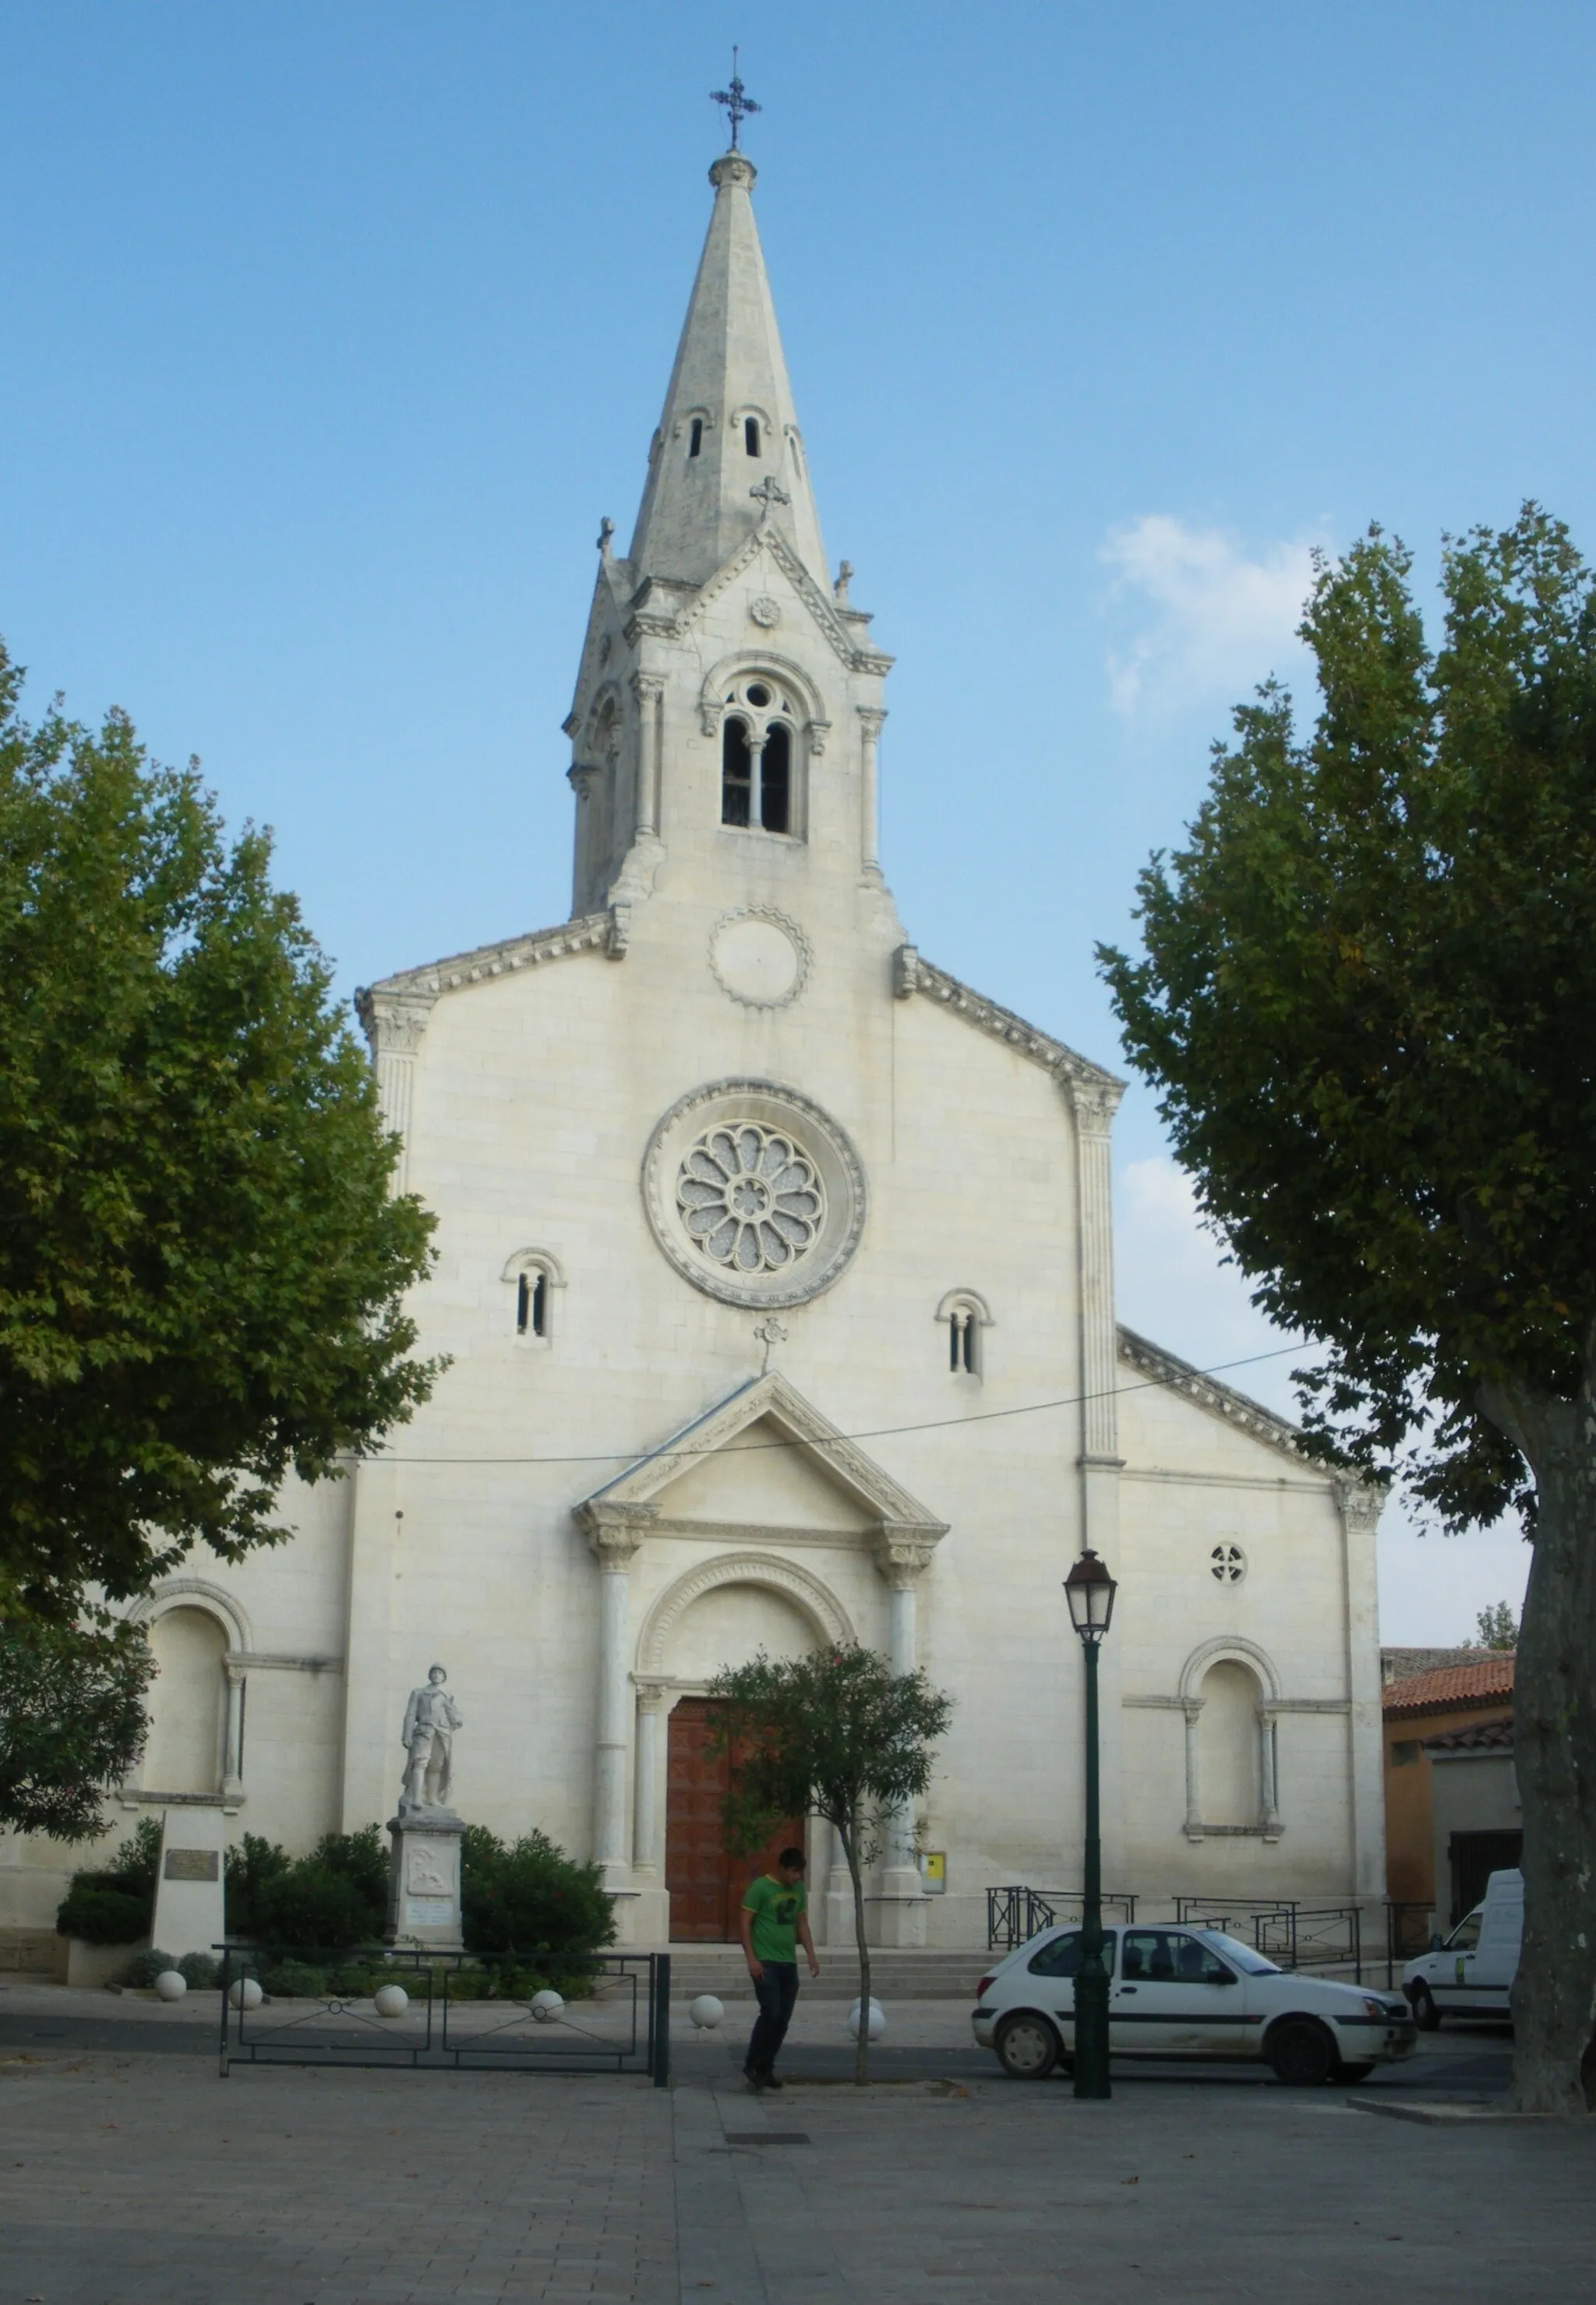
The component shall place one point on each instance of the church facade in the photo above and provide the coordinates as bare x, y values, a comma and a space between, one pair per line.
762, 1244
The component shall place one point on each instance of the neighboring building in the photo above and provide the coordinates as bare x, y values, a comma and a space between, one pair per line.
775, 1267
1421, 1711
1478, 1822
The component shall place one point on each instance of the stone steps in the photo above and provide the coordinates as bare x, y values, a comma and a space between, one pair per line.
896, 1975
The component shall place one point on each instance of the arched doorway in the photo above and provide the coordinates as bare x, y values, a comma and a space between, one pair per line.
726, 1624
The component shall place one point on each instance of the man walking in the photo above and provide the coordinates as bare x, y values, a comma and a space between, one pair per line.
774, 1926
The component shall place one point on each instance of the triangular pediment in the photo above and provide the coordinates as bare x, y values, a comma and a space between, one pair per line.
665, 617
766, 1458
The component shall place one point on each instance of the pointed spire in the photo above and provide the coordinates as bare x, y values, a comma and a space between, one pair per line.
729, 426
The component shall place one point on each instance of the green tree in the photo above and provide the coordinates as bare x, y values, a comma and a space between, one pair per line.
72, 1721
836, 1735
1365, 1001
202, 1268
1498, 1626
529, 1897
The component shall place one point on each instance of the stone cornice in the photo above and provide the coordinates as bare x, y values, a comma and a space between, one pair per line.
592, 932
912, 973
1206, 1393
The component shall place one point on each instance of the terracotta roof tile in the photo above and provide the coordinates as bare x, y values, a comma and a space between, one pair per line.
1484, 1683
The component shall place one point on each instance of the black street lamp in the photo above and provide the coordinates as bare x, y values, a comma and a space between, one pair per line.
1090, 1590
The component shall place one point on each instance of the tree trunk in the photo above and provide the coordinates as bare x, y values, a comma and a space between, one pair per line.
1554, 1711
861, 2047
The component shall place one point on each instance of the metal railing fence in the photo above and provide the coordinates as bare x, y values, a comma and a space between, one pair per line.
477, 2013
1015, 1914
1409, 1928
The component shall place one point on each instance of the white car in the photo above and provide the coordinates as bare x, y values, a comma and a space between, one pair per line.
1178, 1992
1471, 1973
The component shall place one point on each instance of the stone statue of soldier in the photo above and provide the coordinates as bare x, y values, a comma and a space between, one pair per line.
430, 1720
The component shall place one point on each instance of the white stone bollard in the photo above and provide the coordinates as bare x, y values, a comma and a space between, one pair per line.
171, 1984
878, 2020
390, 2001
706, 2012
547, 2005
244, 1993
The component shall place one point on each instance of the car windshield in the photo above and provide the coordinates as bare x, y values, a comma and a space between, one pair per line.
1244, 1957
1465, 1936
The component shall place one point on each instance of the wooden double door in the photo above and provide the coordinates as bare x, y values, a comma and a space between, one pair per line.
705, 1878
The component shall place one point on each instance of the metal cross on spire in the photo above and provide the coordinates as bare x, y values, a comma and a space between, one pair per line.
738, 105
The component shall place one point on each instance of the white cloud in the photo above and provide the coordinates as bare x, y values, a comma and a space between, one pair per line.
1202, 615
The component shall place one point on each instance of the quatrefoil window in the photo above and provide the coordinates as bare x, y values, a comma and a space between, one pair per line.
1228, 1563
751, 1198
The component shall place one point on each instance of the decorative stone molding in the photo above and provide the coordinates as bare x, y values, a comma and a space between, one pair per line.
1228, 1649
784, 671
815, 1600
912, 973
588, 933
822, 1142
965, 1300
1206, 1393
614, 1532
740, 986
765, 612
195, 1593
1360, 1504
1094, 1103
903, 1554
619, 940
766, 538
879, 1500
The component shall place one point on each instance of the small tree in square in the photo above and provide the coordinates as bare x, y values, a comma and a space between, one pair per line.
836, 1735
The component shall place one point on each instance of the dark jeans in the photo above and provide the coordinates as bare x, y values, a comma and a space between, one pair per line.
776, 1993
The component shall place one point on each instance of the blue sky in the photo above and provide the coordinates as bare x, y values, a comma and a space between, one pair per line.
331, 330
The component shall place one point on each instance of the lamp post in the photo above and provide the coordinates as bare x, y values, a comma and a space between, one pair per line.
1090, 1591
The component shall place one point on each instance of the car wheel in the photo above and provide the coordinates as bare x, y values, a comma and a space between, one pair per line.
1300, 2052
1427, 2017
1360, 2072
1027, 2047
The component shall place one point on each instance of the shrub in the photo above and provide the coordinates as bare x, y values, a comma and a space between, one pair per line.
202, 1971
145, 1967
115, 1903
334, 1898
294, 1980
529, 1897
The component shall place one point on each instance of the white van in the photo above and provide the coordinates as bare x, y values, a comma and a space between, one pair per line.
1471, 1974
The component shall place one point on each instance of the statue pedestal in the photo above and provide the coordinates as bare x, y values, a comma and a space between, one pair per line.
424, 1880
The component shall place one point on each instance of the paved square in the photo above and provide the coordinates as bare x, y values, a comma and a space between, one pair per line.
126, 2175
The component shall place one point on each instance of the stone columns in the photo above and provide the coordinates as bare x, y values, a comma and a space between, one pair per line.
648, 688
394, 1024
1360, 1505
871, 718
902, 1556
614, 1535
645, 1825
1192, 1708
1269, 1798
1093, 1102
756, 778
232, 1736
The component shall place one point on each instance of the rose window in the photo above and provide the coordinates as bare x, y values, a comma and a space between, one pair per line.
749, 1198
1228, 1563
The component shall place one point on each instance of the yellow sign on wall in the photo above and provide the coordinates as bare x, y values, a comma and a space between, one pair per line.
933, 1871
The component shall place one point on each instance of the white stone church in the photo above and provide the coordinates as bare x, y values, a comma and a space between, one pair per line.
775, 1269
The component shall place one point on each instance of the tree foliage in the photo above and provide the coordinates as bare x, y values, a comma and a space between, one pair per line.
72, 1723
201, 1267
1498, 1626
837, 1735
115, 1904
1365, 1001
529, 1897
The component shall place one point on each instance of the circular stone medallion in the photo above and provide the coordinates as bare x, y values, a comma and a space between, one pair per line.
760, 957
765, 612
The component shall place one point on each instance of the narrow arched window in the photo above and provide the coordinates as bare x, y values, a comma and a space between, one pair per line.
963, 1350
531, 1304
776, 783
736, 773
695, 437
751, 435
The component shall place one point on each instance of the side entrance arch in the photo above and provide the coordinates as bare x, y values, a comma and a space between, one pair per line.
706, 1879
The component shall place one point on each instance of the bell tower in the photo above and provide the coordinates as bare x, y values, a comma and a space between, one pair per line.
729, 701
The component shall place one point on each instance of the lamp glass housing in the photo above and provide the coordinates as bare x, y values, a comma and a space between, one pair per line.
1090, 1590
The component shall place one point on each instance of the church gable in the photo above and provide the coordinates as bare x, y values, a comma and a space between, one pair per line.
764, 1459
1159, 1392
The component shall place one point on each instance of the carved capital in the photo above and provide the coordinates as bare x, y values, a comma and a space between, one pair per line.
817, 731
870, 717
1361, 1504
394, 1023
650, 1695
580, 776
620, 931
615, 1532
1094, 1103
905, 971
648, 687
903, 1554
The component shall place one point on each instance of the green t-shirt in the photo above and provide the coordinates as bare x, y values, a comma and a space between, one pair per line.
776, 1908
